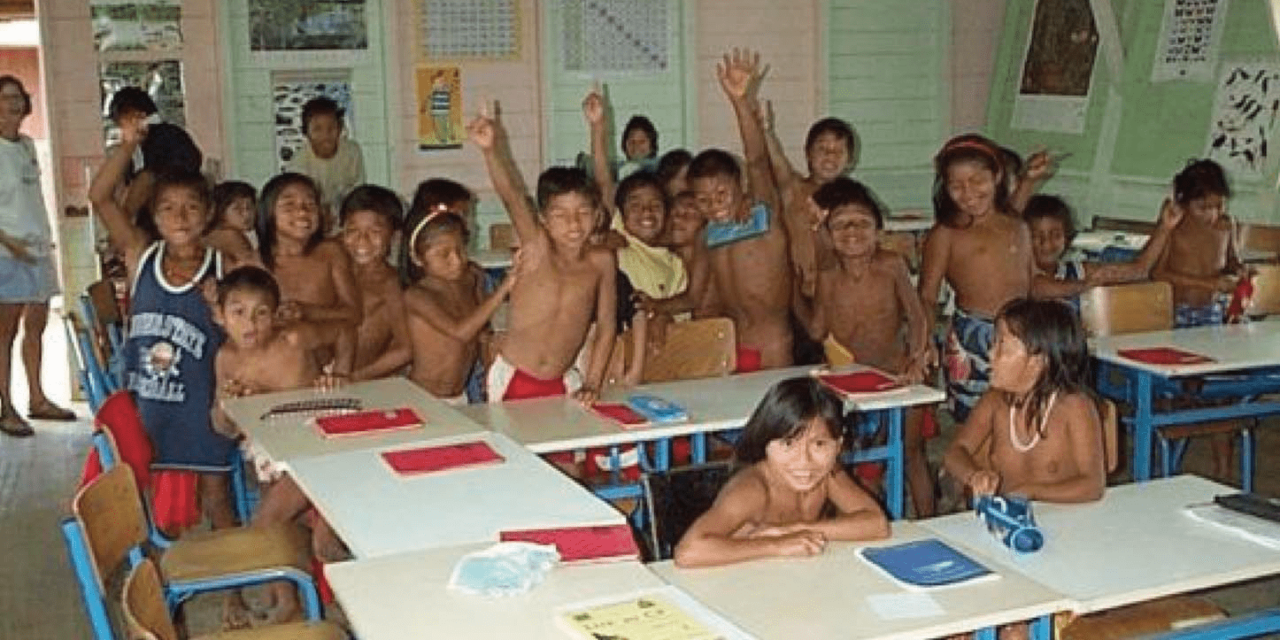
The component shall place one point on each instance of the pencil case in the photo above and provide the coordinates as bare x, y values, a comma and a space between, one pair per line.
1010, 519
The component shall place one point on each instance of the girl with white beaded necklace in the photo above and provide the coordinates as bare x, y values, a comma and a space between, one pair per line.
1036, 432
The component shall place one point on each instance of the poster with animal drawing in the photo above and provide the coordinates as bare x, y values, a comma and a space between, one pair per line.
134, 25
1245, 111
1188, 44
290, 92
439, 93
1057, 68
312, 25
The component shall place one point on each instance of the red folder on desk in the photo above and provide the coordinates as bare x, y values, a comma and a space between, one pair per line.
859, 382
620, 413
1164, 355
431, 459
368, 422
582, 544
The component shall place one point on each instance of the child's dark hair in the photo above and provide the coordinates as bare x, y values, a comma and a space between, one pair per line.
1051, 329
226, 194
1045, 206
168, 146
836, 126
844, 191
644, 124
1198, 179
321, 106
968, 147
786, 410
438, 192
422, 225
638, 180
266, 222
166, 178
1012, 162
249, 278
671, 163
713, 163
130, 100
371, 197
561, 180
26, 96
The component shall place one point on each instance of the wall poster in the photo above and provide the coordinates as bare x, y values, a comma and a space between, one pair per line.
1057, 68
308, 25
439, 95
136, 25
1189, 37
1243, 125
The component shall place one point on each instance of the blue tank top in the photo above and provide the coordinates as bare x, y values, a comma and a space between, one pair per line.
169, 358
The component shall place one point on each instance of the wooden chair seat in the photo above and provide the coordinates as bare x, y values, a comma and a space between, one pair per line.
1142, 619
1103, 223
209, 554
1266, 291
1127, 308
292, 631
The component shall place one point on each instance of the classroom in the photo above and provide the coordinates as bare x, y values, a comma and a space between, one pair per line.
640, 318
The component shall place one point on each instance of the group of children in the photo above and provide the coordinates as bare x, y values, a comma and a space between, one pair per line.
236, 293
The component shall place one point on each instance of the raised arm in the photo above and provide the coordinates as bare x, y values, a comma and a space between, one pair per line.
740, 75
593, 109
488, 134
124, 236
1039, 169
784, 173
1099, 273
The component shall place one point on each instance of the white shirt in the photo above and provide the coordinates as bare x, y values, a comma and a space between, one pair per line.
22, 212
335, 176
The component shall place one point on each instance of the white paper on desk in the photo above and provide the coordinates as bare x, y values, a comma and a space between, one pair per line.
900, 606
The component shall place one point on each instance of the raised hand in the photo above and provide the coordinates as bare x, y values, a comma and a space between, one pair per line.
1171, 213
738, 73
133, 129
483, 129
1040, 166
593, 107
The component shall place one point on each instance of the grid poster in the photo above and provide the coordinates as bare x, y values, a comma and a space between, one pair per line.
1189, 37
1245, 111
161, 79
289, 92
469, 29
307, 25
615, 36
136, 25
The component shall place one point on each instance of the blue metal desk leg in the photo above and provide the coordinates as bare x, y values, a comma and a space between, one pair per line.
896, 467
1143, 431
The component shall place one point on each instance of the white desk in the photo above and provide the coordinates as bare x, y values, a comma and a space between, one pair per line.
1098, 241
405, 596
1134, 545
378, 513
909, 223
493, 259
826, 596
288, 438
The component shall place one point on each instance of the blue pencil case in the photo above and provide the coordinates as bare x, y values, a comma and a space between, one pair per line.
656, 409
722, 233
1010, 519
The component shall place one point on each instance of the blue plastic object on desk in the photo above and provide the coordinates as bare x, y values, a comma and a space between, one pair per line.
721, 233
657, 409
1011, 520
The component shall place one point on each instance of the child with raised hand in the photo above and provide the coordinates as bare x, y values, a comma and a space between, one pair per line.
315, 276
169, 351
983, 250
331, 159
370, 217
1059, 276
752, 275
258, 357
867, 305
231, 229
448, 312
790, 496
566, 282
1036, 432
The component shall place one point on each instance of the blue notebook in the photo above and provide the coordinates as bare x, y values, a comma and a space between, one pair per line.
925, 563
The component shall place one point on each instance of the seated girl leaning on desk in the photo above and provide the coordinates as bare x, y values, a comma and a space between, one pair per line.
790, 494
1036, 432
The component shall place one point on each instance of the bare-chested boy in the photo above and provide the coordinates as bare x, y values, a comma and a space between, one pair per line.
751, 275
566, 282
983, 250
260, 358
370, 216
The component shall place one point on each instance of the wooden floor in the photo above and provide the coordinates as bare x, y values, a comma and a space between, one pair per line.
39, 598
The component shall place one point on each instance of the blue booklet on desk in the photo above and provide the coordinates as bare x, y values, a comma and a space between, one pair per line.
925, 563
656, 409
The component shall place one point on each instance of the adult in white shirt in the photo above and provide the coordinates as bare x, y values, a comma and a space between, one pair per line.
28, 277
330, 158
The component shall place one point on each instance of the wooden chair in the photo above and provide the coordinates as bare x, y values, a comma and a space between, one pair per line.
1110, 416
147, 617
704, 348
105, 323
1144, 619
109, 528
1103, 223
1266, 291
502, 236
1127, 308
1260, 237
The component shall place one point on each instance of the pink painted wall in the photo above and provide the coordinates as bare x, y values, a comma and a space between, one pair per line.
976, 27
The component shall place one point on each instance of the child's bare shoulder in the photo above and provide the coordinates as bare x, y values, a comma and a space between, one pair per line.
330, 250
889, 259
746, 488
1080, 405
602, 258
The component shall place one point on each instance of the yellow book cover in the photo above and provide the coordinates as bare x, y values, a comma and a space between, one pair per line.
648, 616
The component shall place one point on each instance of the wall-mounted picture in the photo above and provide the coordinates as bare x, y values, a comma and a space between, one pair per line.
136, 25
307, 25
439, 92
291, 90
1057, 68
1245, 111
161, 79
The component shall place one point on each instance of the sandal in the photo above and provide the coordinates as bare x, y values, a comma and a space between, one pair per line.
50, 411
13, 424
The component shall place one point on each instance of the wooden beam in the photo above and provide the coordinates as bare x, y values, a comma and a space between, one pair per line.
17, 7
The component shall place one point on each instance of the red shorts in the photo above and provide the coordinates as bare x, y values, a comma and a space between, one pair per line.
174, 499
526, 387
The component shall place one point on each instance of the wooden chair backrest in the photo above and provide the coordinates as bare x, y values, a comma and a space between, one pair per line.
703, 348
1127, 308
1260, 237
1103, 223
1266, 291
1110, 432
110, 515
145, 613
502, 236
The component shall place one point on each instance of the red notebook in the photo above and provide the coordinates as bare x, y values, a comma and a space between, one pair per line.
866, 381
1164, 355
621, 414
440, 458
582, 544
366, 422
